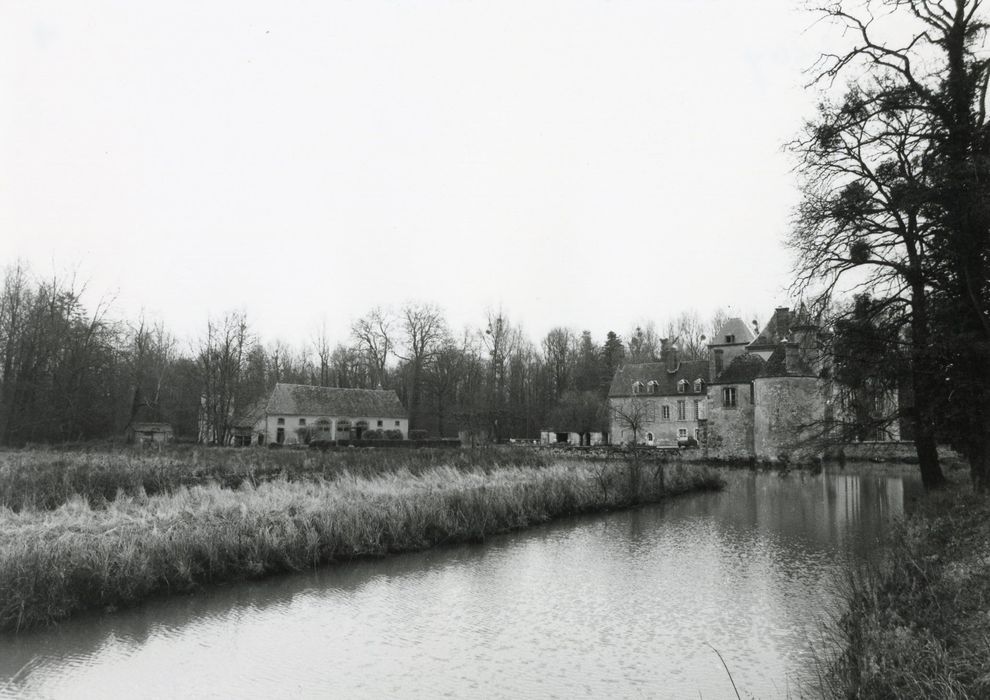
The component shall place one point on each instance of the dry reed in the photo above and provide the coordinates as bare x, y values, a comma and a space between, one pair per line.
57, 562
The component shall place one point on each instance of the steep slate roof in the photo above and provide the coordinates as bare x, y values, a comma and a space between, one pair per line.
301, 400
776, 330
151, 427
646, 372
733, 326
776, 366
742, 370
251, 415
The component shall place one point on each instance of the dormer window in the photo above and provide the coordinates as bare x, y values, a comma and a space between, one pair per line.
682, 386
637, 387
699, 385
653, 387
729, 339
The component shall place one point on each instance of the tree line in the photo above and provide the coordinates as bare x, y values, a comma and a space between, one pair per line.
71, 373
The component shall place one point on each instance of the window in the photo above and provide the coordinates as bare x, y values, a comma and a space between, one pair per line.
396, 424
682, 433
729, 397
699, 386
653, 387
649, 437
697, 410
381, 423
665, 412
281, 421
681, 410
637, 387
302, 421
730, 339
682, 386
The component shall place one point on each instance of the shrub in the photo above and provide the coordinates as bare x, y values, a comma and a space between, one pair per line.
417, 434
393, 434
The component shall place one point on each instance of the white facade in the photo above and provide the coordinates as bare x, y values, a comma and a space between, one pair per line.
340, 427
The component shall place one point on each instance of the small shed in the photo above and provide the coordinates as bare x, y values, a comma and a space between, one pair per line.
149, 433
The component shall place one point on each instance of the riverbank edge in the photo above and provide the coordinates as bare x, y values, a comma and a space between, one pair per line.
56, 564
917, 622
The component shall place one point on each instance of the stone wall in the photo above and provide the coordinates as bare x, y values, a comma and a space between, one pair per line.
730, 430
895, 451
788, 417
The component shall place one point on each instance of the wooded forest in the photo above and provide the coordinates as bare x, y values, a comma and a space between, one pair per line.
71, 373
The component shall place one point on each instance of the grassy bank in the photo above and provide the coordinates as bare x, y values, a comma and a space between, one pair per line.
918, 626
46, 478
79, 556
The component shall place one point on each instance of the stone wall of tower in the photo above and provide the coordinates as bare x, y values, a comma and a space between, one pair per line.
730, 428
788, 418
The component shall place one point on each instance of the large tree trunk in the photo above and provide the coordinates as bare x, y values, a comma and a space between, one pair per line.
414, 422
922, 375
979, 453
925, 445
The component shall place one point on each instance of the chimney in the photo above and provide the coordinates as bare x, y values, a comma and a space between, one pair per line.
668, 355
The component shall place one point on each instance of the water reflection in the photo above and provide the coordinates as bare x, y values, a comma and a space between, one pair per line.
623, 604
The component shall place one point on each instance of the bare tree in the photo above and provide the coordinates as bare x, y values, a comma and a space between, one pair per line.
500, 339
323, 351
445, 372
374, 334
152, 352
863, 215
348, 368
559, 355
644, 343
221, 358
424, 330
630, 413
693, 334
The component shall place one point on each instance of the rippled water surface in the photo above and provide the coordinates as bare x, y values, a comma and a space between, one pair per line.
626, 604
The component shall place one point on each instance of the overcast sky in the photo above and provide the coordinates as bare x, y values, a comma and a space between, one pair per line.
582, 163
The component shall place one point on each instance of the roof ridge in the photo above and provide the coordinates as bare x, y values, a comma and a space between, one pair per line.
335, 388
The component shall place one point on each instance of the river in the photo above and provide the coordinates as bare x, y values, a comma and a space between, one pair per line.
626, 604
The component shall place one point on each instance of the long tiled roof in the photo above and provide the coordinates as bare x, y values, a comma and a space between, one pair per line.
646, 372
302, 400
743, 369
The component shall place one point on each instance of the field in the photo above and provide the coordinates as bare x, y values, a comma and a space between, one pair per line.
100, 530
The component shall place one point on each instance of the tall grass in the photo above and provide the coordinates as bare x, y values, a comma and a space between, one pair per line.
47, 478
54, 563
917, 624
